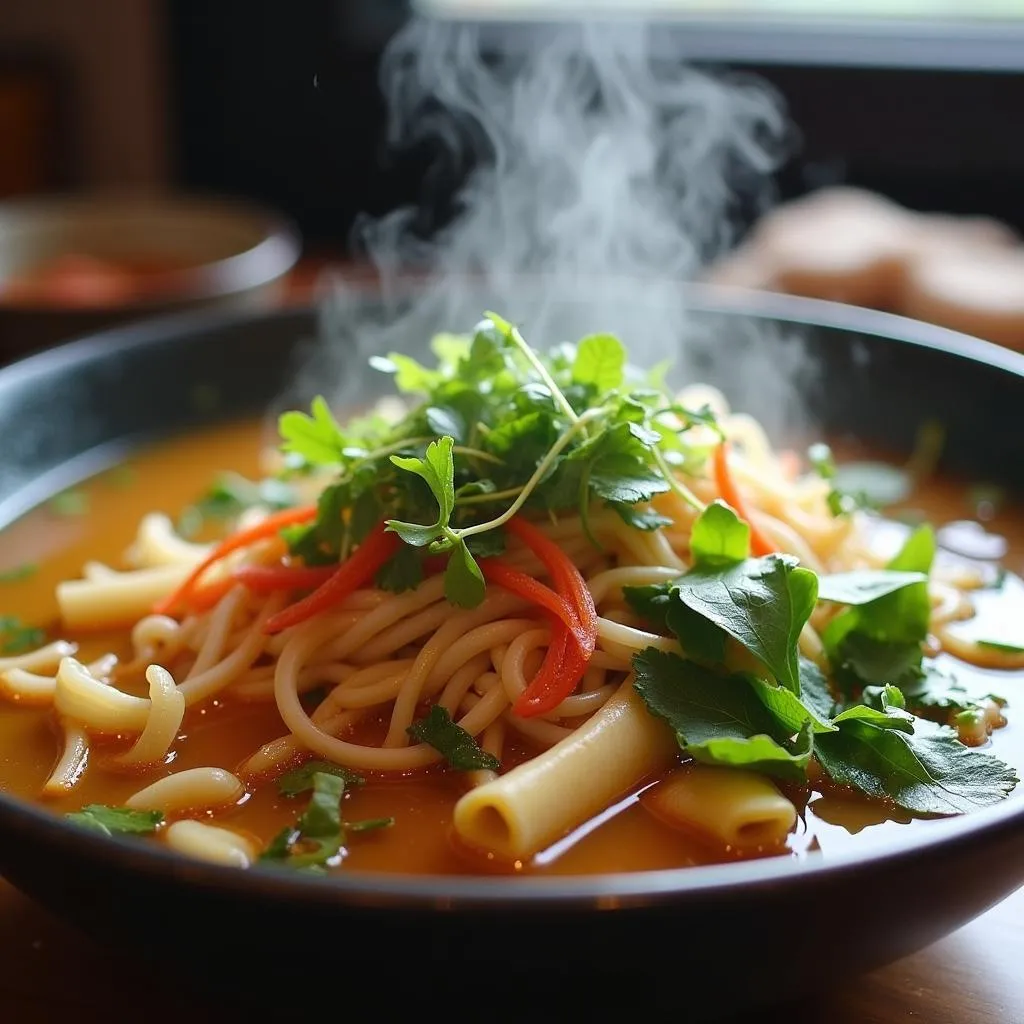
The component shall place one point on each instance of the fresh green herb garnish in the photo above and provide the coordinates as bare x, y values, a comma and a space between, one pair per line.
16, 637
927, 771
457, 746
116, 820
494, 428
19, 572
300, 780
775, 719
70, 503
316, 841
123, 475
721, 719
864, 586
317, 837
880, 641
229, 496
1001, 645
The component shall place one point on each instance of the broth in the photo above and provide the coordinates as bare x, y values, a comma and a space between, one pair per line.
224, 732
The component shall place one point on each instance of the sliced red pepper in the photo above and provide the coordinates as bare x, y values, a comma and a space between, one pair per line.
265, 528
570, 648
266, 579
727, 488
516, 582
356, 571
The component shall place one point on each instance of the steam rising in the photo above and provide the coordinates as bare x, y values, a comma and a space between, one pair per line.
602, 178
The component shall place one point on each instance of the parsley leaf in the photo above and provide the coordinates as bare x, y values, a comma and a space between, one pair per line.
16, 637
318, 836
437, 468
457, 746
19, 572
300, 779
463, 581
317, 438
600, 362
70, 503
719, 537
110, 820
880, 641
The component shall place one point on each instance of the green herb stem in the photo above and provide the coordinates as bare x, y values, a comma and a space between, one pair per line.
516, 337
675, 483
538, 474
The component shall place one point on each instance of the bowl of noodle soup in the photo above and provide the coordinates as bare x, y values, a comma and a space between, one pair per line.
379, 667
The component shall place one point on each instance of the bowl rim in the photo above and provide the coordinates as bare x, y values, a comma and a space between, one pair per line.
275, 253
454, 893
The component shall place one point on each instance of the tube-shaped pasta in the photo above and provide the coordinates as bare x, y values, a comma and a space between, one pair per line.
539, 801
741, 810
191, 790
119, 599
210, 843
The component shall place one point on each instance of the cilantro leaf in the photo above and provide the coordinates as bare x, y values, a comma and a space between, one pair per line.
719, 537
456, 745
600, 361
70, 503
437, 468
300, 779
19, 572
318, 836
640, 518
109, 821
411, 376
16, 637
321, 542
791, 712
815, 694
403, 571
463, 581
934, 693
317, 438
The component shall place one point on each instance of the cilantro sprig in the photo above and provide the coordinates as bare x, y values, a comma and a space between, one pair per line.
494, 428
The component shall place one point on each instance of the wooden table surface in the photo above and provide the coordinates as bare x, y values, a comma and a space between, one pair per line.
50, 971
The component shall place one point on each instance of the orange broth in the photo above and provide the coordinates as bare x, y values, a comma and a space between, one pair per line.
222, 732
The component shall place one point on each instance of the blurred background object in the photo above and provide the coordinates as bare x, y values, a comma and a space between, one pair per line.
848, 245
911, 102
72, 265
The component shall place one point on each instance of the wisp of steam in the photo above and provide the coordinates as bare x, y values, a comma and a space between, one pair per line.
603, 176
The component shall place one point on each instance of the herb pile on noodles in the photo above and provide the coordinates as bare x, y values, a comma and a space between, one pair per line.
498, 430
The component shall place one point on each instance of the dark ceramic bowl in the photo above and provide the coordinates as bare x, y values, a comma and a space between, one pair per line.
215, 252
689, 942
